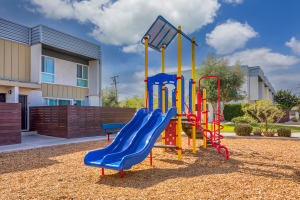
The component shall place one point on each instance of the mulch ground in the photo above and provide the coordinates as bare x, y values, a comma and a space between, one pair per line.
257, 169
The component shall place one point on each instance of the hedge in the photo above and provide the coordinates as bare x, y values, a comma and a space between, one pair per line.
232, 110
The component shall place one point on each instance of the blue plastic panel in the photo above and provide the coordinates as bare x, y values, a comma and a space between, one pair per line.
162, 32
190, 95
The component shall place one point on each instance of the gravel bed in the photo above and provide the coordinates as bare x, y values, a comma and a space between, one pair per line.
257, 169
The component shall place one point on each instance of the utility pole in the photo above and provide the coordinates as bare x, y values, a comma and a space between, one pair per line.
115, 82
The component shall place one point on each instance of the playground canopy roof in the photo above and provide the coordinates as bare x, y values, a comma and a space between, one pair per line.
162, 32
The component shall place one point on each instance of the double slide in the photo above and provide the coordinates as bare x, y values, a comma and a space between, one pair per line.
133, 143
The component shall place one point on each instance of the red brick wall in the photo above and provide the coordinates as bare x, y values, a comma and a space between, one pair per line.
76, 121
10, 123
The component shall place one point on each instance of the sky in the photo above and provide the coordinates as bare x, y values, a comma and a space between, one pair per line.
252, 32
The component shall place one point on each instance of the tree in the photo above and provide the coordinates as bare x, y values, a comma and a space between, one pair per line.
231, 78
263, 112
109, 97
138, 102
286, 100
134, 102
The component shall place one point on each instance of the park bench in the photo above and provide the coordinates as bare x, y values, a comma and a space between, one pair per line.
112, 128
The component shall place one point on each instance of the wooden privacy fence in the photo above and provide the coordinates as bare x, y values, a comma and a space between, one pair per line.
10, 123
75, 121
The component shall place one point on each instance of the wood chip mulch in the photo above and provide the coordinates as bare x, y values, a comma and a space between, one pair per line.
257, 169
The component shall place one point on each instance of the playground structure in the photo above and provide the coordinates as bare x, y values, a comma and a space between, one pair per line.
136, 140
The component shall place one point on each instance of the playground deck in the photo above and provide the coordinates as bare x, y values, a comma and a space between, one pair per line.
266, 169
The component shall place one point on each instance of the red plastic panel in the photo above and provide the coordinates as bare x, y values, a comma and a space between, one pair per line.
170, 134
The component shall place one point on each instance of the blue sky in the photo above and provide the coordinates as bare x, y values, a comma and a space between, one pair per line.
253, 32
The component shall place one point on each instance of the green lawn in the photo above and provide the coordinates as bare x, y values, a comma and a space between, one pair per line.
230, 127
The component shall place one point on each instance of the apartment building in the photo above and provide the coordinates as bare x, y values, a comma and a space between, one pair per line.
257, 86
42, 66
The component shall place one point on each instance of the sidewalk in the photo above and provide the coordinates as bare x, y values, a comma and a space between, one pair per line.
36, 141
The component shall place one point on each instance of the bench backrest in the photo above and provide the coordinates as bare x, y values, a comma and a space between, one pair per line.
113, 126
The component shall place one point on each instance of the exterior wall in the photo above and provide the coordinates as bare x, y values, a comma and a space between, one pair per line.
14, 96
94, 83
266, 95
51, 37
14, 61
63, 91
14, 32
35, 98
65, 72
36, 63
261, 89
271, 96
253, 88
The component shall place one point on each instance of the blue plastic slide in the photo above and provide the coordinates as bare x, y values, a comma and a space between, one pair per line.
134, 144
122, 140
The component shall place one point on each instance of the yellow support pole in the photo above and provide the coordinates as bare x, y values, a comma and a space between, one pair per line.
193, 95
205, 118
163, 91
179, 95
146, 69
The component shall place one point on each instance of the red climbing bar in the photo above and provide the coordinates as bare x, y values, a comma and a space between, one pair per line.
102, 171
122, 174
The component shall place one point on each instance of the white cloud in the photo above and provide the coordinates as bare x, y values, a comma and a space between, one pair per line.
227, 37
286, 81
234, 1
294, 45
263, 57
124, 22
134, 48
55, 8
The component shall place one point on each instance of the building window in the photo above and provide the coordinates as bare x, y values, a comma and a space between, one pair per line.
63, 102
79, 102
47, 70
52, 102
59, 102
82, 76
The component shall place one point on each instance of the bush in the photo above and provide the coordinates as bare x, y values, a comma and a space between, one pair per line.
284, 132
294, 119
243, 120
232, 111
243, 129
269, 133
257, 132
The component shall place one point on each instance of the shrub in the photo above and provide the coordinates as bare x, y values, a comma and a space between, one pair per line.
243, 129
232, 111
269, 133
257, 132
294, 119
284, 132
243, 120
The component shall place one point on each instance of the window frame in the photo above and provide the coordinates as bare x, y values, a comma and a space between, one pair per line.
82, 75
47, 73
57, 100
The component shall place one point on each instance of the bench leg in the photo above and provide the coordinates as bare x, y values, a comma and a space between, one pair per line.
102, 172
108, 137
151, 158
122, 174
